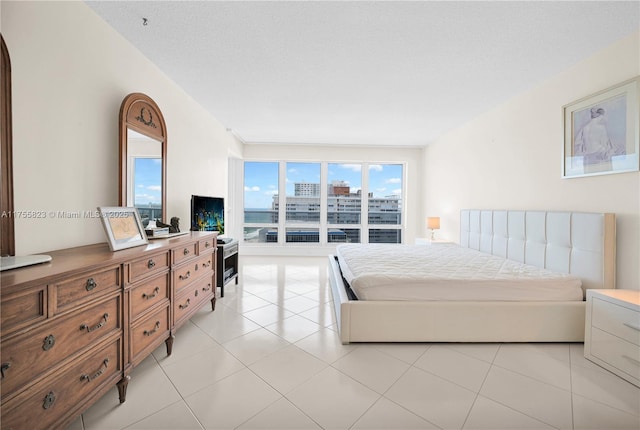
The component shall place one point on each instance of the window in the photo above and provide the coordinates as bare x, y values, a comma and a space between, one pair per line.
385, 202
322, 202
261, 202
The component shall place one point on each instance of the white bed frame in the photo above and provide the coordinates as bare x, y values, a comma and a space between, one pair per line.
582, 244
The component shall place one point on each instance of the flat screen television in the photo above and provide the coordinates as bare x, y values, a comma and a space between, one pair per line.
207, 213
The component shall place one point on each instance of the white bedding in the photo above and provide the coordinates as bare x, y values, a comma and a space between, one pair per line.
448, 272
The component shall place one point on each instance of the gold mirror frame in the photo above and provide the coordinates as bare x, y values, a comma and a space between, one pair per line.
139, 113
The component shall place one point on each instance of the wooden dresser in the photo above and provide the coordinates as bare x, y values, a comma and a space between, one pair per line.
74, 327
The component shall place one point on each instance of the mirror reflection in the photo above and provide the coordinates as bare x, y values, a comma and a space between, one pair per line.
144, 178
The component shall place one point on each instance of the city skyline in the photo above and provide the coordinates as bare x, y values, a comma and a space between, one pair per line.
261, 179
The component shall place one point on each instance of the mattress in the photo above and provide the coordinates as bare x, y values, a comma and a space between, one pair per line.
448, 272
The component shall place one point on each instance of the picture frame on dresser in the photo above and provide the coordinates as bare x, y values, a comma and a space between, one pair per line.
123, 227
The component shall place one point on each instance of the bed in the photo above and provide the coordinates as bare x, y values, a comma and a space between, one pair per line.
580, 245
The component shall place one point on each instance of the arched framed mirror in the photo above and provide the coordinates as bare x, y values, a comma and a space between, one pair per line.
143, 157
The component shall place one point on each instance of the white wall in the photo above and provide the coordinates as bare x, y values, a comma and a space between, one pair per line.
510, 158
70, 73
411, 156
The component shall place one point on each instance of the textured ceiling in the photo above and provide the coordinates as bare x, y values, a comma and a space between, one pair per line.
371, 73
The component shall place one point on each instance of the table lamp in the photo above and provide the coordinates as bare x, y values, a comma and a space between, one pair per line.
433, 224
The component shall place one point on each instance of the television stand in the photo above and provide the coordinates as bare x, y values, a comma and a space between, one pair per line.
227, 264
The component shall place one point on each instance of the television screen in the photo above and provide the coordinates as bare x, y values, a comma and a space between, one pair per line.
207, 213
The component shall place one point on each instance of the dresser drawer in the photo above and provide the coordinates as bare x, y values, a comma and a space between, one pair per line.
206, 245
148, 265
148, 293
191, 299
70, 292
150, 331
24, 308
185, 252
617, 320
184, 275
46, 404
230, 249
39, 350
618, 353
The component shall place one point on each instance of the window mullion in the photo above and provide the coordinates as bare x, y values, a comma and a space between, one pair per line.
364, 204
282, 202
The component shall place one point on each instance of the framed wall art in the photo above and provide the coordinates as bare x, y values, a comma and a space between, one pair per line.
601, 134
123, 227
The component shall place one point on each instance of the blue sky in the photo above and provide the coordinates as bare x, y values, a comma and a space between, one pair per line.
261, 179
148, 180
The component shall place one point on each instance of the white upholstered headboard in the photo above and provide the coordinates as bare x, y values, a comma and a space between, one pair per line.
582, 244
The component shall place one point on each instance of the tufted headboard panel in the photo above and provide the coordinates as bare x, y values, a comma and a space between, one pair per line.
582, 244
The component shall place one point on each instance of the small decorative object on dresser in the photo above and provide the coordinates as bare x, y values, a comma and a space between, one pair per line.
612, 332
174, 227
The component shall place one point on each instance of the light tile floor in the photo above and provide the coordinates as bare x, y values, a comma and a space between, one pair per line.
269, 358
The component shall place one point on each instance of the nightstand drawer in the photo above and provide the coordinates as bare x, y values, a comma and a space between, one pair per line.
616, 352
616, 320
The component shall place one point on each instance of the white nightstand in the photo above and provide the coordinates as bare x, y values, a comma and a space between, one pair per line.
427, 241
612, 332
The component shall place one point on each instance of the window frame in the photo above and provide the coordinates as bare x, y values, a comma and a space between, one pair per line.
323, 226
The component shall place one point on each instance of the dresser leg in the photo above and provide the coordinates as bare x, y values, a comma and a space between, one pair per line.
122, 388
213, 303
169, 344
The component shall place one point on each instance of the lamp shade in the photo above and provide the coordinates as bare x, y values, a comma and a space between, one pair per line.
433, 222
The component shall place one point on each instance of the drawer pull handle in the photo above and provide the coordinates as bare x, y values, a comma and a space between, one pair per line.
207, 264
633, 360
156, 290
49, 400
151, 264
186, 305
183, 277
4, 368
153, 330
632, 326
48, 343
186, 251
207, 244
207, 288
91, 284
105, 317
88, 378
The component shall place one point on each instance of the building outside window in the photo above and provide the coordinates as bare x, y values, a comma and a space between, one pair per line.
322, 202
